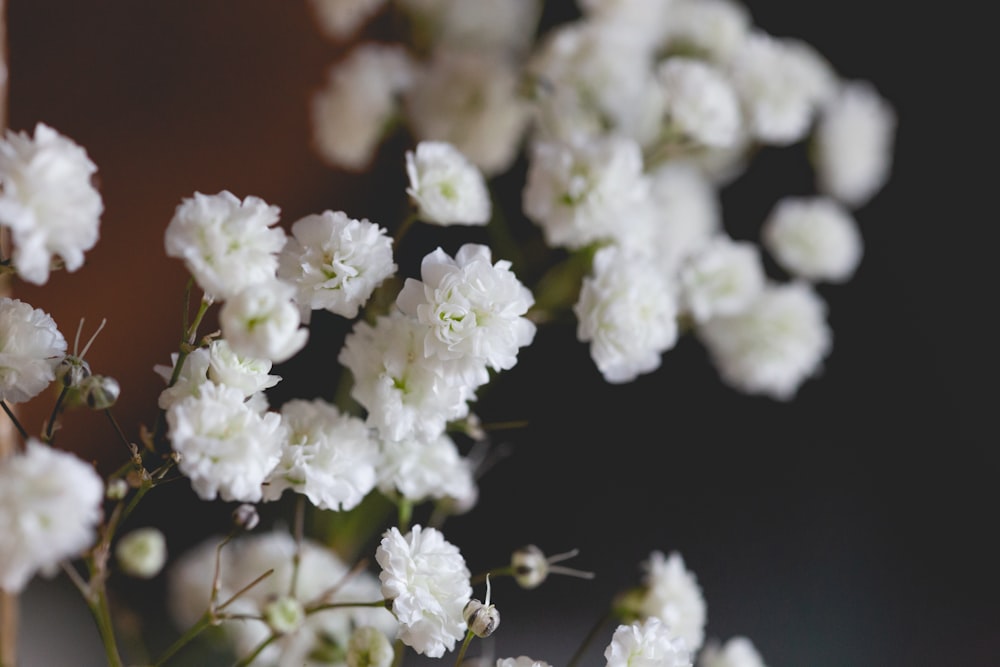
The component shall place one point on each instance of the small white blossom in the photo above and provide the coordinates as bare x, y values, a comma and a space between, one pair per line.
446, 186
227, 244
701, 103
48, 200
338, 19
350, 113
673, 596
142, 552
329, 456
192, 376
521, 661
474, 309
31, 348
721, 278
250, 375
263, 322
226, 447
335, 262
580, 192
627, 311
736, 652
649, 643
814, 238
50, 505
369, 647
774, 345
406, 394
853, 144
421, 470
428, 583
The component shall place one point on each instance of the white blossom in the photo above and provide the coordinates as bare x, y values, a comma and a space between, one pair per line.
339, 19
672, 595
648, 643
350, 113
627, 311
446, 186
470, 99
320, 639
31, 347
474, 309
701, 103
814, 238
721, 278
405, 393
580, 192
853, 144
50, 505
48, 201
250, 375
736, 652
774, 345
263, 322
420, 470
226, 243
226, 448
428, 584
335, 262
521, 661
369, 647
329, 456
142, 552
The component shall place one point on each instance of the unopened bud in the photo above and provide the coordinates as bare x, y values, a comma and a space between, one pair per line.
284, 615
482, 619
531, 567
142, 553
100, 391
369, 647
116, 489
245, 516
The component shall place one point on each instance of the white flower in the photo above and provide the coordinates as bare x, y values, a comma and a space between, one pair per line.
142, 552
340, 18
421, 470
853, 144
30, 349
406, 394
48, 201
329, 457
226, 244
772, 346
715, 28
263, 322
446, 186
470, 99
814, 238
369, 647
321, 638
627, 311
250, 375
473, 309
50, 505
721, 278
226, 447
649, 643
352, 110
335, 262
426, 579
521, 661
673, 596
700, 102
736, 652
581, 192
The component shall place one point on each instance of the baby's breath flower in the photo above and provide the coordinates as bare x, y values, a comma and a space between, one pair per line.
369, 647
648, 643
672, 595
736, 652
521, 661
50, 505
701, 102
813, 238
142, 552
48, 200
721, 278
263, 322
420, 470
31, 348
446, 186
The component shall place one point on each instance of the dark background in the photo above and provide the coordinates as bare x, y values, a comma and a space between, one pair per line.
853, 526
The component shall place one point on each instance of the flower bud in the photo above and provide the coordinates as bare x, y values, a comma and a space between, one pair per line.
284, 615
142, 553
482, 619
246, 517
531, 567
116, 489
100, 391
72, 370
369, 647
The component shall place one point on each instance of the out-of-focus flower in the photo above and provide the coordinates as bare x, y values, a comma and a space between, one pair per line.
648, 643
31, 347
814, 238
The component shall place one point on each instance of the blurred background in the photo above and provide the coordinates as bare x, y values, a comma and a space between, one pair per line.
853, 526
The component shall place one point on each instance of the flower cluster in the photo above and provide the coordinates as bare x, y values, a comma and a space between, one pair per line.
630, 118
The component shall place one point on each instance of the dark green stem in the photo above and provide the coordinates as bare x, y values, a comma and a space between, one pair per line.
589, 639
14, 419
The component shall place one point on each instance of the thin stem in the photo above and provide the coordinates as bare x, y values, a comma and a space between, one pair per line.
117, 427
102, 614
300, 511
312, 609
204, 622
257, 651
465, 645
589, 639
14, 420
51, 425
403, 228
405, 514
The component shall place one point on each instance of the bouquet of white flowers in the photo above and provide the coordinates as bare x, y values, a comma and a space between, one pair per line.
618, 126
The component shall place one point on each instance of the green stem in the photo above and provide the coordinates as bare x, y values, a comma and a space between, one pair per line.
14, 419
203, 623
465, 644
102, 614
589, 639
51, 425
257, 651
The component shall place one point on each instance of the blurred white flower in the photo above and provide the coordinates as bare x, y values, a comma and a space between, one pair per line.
339, 19
226, 448
521, 661
50, 505
142, 552
736, 652
48, 200
329, 456
701, 103
421, 470
772, 346
446, 186
721, 278
648, 643
31, 348
227, 244
853, 144
814, 238
335, 262
627, 311
354, 108
713, 28
428, 584
672, 595
263, 322
369, 647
